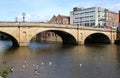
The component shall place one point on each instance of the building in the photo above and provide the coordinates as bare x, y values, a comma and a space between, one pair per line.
112, 19
50, 36
53, 20
47, 36
118, 31
60, 19
93, 16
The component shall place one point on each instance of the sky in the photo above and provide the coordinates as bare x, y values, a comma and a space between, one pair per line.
43, 10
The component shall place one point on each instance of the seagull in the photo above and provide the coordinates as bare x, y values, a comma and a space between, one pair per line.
80, 65
42, 63
50, 63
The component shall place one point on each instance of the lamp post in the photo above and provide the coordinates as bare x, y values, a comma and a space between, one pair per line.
16, 19
23, 14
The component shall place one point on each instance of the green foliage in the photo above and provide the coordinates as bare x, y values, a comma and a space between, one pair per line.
4, 72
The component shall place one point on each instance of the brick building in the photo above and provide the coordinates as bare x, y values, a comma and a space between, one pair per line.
50, 36
118, 30
112, 18
60, 19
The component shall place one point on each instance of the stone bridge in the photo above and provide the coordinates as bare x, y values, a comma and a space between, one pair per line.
21, 33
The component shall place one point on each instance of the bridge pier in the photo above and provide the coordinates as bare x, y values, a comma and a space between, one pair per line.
113, 42
80, 42
24, 44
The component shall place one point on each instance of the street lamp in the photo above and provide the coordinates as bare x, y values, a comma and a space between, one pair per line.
23, 14
16, 19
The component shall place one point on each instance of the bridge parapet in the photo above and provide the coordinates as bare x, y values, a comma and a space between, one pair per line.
11, 24
97, 29
38, 24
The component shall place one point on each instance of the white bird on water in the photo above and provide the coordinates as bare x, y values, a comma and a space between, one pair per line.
42, 63
80, 65
24, 66
50, 63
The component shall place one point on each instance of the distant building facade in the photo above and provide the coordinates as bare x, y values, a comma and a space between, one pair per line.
118, 30
60, 19
93, 16
112, 18
51, 36
47, 36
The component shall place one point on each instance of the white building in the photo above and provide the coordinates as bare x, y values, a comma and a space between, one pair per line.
94, 16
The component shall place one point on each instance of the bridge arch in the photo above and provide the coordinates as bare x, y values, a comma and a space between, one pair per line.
97, 38
66, 37
10, 37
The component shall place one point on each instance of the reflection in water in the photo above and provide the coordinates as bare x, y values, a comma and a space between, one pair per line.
118, 53
58, 61
4, 45
117, 59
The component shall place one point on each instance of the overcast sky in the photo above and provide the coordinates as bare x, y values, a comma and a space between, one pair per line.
43, 10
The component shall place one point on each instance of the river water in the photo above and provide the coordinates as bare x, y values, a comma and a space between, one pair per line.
62, 61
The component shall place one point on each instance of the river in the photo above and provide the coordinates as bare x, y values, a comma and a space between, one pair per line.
62, 61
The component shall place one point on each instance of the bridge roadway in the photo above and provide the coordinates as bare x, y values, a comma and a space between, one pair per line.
21, 33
